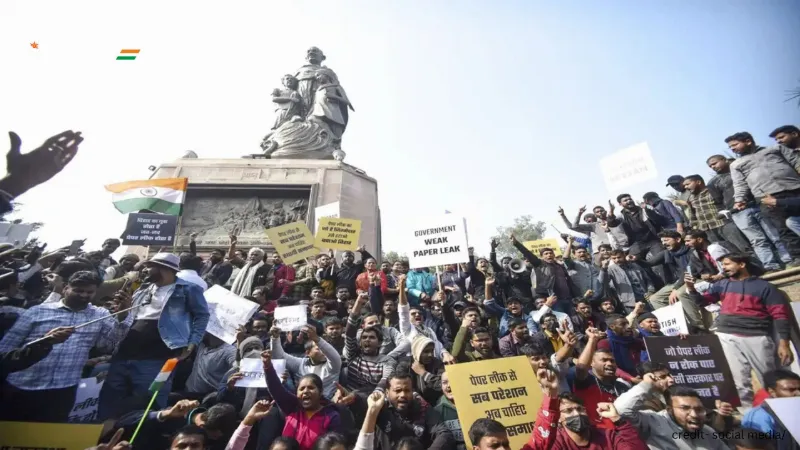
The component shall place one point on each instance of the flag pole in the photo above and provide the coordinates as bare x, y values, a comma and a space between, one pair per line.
144, 416
177, 234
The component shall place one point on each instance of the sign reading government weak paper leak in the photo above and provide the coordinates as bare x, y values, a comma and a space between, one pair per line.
436, 241
292, 241
338, 234
628, 167
505, 390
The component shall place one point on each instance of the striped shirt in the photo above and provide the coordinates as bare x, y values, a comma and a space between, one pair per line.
365, 373
63, 366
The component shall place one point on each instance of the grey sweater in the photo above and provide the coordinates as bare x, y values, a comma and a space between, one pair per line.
768, 170
657, 428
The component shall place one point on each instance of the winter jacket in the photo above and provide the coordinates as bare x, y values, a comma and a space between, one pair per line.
417, 283
449, 419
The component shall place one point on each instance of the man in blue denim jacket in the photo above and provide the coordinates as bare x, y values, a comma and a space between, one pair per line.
170, 322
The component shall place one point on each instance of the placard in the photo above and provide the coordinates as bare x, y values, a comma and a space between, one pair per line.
87, 398
503, 389
672, 319
290, 318
628, 167
338, 234
699, 363
150, 229
437, 241
321, 212
227, 312
253, 372
292, 241
785, 410
60, 436
537, 245
15, 233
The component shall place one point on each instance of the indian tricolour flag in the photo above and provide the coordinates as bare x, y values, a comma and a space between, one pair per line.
163, 376
161, 195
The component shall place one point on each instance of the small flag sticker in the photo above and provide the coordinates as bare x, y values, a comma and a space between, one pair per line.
127, 54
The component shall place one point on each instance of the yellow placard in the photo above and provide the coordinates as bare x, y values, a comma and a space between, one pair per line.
292, 241
49, 435
504, 389
338, 234
535, 246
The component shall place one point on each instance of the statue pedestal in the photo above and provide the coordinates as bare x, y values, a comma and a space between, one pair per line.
246, 194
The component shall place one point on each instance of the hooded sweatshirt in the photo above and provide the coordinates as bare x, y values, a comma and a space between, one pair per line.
430, 383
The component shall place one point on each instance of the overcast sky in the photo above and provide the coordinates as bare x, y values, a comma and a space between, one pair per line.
491, 110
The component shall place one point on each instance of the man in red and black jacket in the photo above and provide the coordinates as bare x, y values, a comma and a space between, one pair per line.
563, 423
750, 310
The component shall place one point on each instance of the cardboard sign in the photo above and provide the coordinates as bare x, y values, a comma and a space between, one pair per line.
253, 372
699, 363
290, 318
504, 389
292, 241
15, 233
228, 312
437, 241
61, 436
321, 212
672, 320
150, 229
785, 410
628, 167
338, 234
87, 398
539, 244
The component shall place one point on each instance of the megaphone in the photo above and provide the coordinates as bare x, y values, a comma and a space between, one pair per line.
516, 266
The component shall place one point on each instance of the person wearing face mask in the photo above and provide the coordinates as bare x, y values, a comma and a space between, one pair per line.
170, 321
242, 399
45, 392
308, 414
681, 426
321, 359
594, 379
254, 273
446, 408
563, 423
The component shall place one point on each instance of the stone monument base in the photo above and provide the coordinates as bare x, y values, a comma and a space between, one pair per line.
246, 196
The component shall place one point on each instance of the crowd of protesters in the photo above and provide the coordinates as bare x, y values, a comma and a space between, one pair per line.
367, 371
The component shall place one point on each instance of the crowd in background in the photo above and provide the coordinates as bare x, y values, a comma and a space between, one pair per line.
367, 371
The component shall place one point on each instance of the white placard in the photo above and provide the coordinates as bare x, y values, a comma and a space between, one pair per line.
785, 409
290, 318
628, 167
437, 241
15, 233
87, 397
228, 312
253, 372
329, 210
672, 319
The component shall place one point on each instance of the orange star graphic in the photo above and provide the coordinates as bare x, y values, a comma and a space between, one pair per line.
34, 45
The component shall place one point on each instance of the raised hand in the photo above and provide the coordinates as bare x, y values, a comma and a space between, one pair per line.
311, 332
180, 410
493, 244
274, 332
490, 281
375, 401
548, 380
31, 169
723, 408
231, 383
607, 411
560, 210
582, 210
257, 412
594, 333
266, 358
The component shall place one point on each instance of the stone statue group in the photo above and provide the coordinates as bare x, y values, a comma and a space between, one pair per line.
311, 113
